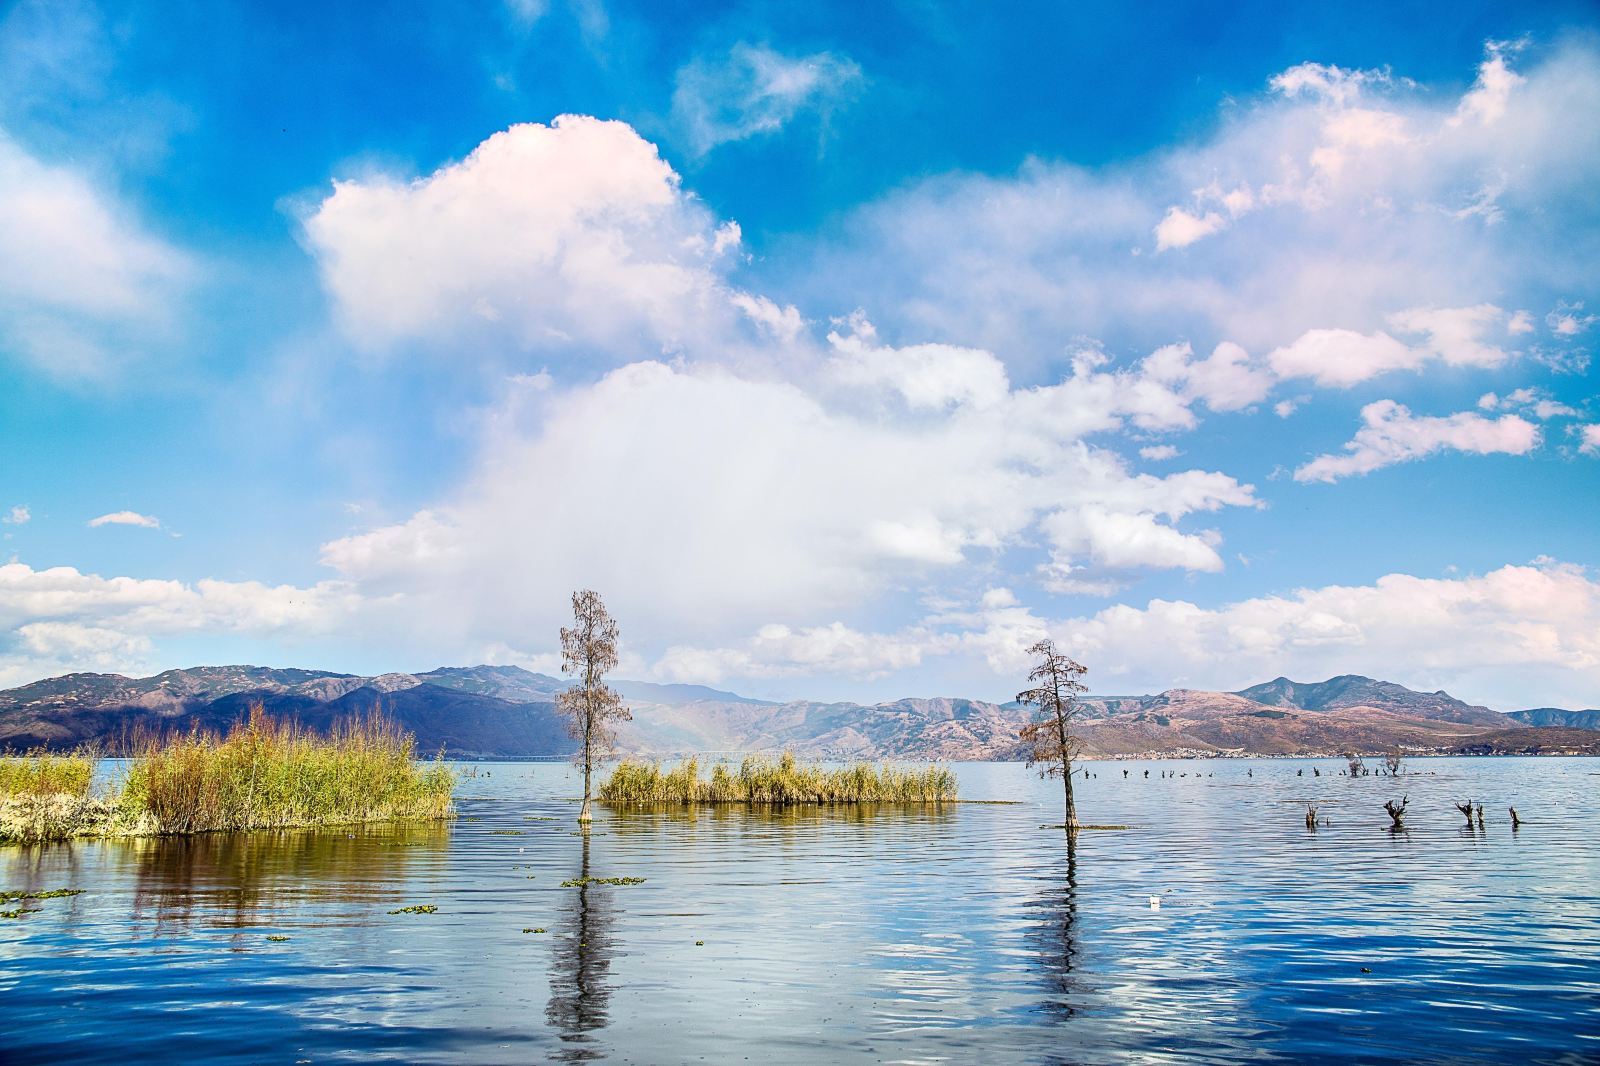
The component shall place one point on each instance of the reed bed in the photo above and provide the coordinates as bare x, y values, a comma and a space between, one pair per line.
781, 783
268, 774
263, 774
43, 773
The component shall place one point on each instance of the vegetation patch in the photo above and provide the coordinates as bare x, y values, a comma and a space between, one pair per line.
277, 939
45, 774
784, 782
531, 930
579, 882
54, 893
416, 908
19, 912
263, 774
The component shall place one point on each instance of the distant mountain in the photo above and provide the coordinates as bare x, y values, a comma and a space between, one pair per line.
1353, 690
1554, 716
509, 711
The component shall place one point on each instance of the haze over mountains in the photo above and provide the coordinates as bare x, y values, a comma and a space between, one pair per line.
509, 711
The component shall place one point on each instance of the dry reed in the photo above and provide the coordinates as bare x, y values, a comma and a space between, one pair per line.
784, 782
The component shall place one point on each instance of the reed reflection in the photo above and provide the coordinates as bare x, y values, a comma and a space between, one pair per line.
239, 880
580, 969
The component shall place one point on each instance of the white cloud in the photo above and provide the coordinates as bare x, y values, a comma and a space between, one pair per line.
82, 284
710, 497
1567, 320
1341, 357
779, 651
1588, 438
1313, 213
926, 376
17, 516
60, 619
1159, 452
1499, 636
125, 518
756, 90
1392, 434
1531, 400
1455, 334
1179, 229
1490, 95
573, 237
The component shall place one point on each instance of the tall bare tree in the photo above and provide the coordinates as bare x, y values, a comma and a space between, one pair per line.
589, 649
1054, 698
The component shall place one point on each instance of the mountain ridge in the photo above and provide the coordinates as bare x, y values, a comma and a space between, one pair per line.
509, 711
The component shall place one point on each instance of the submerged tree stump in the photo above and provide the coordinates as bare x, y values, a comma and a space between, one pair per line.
1516, 823
1466, 809
1397, 813
1311, 816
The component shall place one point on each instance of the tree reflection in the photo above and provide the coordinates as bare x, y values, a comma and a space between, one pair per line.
1059, 949
580, 969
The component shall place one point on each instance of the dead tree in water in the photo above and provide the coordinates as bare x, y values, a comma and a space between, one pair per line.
1048, 734
1516, 823
1480, 816
1466, 809
1311, 816
1397, 814
1357, 767
1394, 760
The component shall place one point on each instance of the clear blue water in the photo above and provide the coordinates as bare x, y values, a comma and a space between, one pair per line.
966, 934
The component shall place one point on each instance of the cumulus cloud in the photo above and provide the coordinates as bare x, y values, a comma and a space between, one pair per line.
755, 90
82, 282
1392, 434
17, 516
125, 518
61, 619
1588, 438
709, 497
1498, 637
573, 237
1313, 214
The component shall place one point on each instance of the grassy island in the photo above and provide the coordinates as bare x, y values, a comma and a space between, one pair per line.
263, 774
784, 782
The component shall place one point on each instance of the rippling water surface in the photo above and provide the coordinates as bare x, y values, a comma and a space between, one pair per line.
966, 934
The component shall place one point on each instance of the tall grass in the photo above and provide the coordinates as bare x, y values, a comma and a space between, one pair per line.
785, 782
263, 774
42, 773
268, 774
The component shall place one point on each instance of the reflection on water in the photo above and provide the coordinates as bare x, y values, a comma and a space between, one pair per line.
962, 933
243, 879
1058, 936
580, 967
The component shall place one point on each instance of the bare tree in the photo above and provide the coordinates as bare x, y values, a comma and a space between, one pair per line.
589, 649
1054, 698
1394, 761
1397, 814
1466, 809
1357, 767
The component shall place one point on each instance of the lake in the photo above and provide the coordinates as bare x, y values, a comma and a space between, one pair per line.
964, 934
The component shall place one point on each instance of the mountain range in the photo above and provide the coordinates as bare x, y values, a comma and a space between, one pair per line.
489, 711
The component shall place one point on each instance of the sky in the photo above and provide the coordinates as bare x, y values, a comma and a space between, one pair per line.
847, 350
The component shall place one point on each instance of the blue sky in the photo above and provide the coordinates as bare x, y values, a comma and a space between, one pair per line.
845, 349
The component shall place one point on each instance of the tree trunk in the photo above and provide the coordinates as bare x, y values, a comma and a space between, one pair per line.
1066, 766
588, 771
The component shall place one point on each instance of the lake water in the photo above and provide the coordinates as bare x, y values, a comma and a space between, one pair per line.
966, 934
